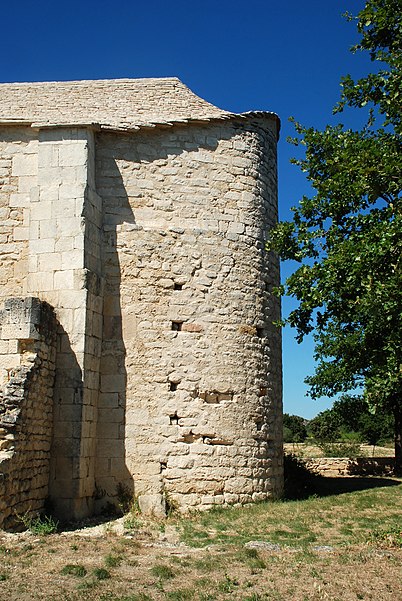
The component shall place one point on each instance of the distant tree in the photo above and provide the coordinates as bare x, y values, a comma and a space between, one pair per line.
355, 415
294, 428
351, 415
348, 236
325, 426
348, 411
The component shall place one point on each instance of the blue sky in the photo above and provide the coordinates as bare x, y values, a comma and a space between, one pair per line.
284, 56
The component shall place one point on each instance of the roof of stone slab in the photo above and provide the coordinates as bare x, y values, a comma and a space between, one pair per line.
109, 103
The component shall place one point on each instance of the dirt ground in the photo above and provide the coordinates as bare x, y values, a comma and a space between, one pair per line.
108, 563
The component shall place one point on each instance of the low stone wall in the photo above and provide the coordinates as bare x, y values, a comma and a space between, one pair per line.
343, 466
28, 345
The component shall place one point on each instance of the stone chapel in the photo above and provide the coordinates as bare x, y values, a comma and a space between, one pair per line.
138, 354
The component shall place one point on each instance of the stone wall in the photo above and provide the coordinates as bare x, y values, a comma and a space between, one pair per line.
18, 173
28, 342
344, 466
190, 403
150, 247
64, 270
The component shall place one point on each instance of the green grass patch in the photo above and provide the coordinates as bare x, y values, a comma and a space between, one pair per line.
72, 569
334, 519
101, 574
184, 594
388, 537
113, 561
162, 571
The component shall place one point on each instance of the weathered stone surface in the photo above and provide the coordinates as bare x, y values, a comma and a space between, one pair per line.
344, 466
26, 408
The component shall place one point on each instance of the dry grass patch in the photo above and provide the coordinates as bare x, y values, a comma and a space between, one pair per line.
307, 450
310, 550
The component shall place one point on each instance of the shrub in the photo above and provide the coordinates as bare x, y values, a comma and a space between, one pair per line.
345, 448
39, 524
101, 573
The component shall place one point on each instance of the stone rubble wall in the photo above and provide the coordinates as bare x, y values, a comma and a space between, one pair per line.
344, 466
190, 401
28, 341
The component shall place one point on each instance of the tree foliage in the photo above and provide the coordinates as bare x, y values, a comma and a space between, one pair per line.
325, 427
347, 237
350, 418
294, 428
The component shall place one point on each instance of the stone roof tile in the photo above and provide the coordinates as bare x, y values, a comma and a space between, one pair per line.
108, 103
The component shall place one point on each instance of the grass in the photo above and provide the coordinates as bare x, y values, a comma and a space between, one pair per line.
42, 525
112, 561
101, 574
325, 544
73, 570
163, 572
335, 519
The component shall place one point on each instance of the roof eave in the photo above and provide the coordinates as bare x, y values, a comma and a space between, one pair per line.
147, 125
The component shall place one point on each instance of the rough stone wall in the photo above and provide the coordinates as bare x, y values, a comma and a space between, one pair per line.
344, 466
18, 171
190, 403
28, 340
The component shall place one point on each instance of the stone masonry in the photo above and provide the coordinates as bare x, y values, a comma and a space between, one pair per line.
139, 212
28, 346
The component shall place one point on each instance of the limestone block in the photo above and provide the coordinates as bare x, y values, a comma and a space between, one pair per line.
44, 245
19, 200
40, 281
21, 233
72, 155
48, 261
152, 504
24, 164
64, 279
113, 383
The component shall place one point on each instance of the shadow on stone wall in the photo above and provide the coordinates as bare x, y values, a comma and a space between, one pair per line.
65, 462
114, 482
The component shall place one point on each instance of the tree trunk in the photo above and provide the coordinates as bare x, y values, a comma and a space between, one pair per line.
397, 409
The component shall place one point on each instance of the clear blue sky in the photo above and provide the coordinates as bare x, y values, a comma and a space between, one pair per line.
284, 56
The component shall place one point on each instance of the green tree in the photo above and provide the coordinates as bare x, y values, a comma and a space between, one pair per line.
347, 237
325, 426
354, 414
294, 428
